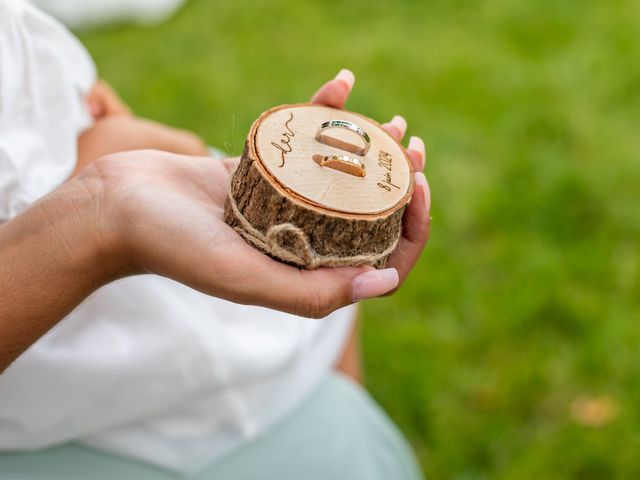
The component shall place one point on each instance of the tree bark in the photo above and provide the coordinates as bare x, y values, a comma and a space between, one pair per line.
329, 234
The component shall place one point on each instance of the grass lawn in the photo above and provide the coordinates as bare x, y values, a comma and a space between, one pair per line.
513, 351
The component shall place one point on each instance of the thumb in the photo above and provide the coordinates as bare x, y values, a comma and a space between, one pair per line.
335, 92
309, 293
95, 107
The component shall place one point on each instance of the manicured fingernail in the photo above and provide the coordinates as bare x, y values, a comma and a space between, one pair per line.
374, 283
421, 182
346, 76
399, 122
416, 144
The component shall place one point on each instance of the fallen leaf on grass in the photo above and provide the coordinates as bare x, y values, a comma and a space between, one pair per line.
594, 411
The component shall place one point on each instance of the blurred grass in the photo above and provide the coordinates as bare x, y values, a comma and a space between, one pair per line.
527, 297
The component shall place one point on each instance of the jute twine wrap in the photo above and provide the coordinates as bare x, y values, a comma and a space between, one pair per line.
303, 254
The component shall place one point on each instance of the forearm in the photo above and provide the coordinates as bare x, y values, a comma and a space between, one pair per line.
350, 361
121, 133
51, 259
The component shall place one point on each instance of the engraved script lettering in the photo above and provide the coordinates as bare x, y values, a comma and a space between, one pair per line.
284, 145
385, 161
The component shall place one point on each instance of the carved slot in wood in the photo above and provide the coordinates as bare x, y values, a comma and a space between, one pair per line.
341, 166
341, 144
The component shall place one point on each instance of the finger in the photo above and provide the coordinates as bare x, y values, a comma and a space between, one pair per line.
374, 283
309, 293
230, 163
335, 92
396, 127
415, 229
95, 108
113, 105
416, 219
417, 154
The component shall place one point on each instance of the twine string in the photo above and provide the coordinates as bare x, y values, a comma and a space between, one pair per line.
303, 253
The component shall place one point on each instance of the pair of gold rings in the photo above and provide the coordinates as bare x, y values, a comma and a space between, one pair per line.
344, 163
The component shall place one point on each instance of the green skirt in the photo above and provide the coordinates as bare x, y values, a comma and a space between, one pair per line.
338, 432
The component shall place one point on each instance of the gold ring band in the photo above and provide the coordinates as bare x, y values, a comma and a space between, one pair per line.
345, 163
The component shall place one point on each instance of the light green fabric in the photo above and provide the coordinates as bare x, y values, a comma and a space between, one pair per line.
337, 433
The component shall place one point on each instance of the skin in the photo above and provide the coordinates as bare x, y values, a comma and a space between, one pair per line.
349, 362
103, 101
118, 133
156, 212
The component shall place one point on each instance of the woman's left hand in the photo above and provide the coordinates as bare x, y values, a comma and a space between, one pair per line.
103, 101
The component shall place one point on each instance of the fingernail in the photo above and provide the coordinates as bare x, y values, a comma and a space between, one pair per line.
346, 76
421, 182
374, 283
416, 144
400, 123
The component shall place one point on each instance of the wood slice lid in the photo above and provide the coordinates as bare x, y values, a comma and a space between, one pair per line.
283, 144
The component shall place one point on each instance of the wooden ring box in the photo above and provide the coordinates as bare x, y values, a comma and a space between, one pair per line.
339, 217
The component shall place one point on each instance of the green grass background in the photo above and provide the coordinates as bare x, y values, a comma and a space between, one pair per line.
528, 294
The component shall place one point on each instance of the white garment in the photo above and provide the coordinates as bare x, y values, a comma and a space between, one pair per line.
44, 75
145, 367
86, 13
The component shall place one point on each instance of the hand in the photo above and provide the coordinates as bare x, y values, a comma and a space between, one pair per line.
165, 215
103, 101
415, 227
157, 212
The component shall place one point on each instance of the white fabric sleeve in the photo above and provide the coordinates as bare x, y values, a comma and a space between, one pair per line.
45, 74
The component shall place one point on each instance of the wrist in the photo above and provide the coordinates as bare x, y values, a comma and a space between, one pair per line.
52, 256
89, 228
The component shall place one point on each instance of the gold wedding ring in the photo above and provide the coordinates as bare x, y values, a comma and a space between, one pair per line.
322, 138
345, 164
